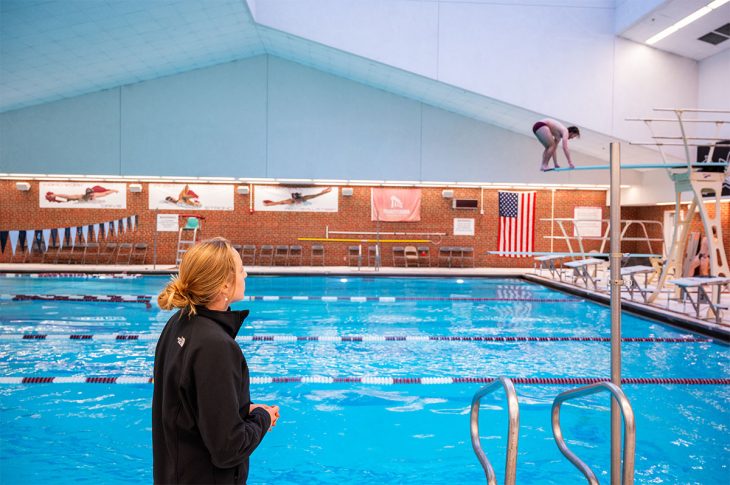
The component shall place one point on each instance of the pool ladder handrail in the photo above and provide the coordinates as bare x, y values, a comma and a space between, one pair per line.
627, 475
512, 433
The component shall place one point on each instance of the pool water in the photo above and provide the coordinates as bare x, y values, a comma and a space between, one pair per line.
356, 432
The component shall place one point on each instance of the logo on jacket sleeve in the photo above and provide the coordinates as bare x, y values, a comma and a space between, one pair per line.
181, 341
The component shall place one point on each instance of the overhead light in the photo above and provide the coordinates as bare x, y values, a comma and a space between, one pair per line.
686, 21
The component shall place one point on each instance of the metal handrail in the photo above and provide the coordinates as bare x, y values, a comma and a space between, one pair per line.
627, 475
512, 433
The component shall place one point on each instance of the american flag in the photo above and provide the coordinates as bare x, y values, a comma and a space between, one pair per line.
516, 222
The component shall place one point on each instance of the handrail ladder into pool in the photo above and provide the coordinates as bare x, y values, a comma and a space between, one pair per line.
513, 409
629, 446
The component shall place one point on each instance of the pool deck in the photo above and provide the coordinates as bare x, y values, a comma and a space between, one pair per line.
664, 309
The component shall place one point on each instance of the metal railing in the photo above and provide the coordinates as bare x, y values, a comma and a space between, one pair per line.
512, 433
627, 475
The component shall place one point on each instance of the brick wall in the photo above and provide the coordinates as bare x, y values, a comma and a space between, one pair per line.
19, 210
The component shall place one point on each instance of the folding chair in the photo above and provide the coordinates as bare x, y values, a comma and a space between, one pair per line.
266, 255
108, 253
374, 255
91, 254
317, 253
354, 253
445, 256
248, 252
124, 251
139, 254
295, 253
467, 256
411, 255
424, 256
281, 255
399, 257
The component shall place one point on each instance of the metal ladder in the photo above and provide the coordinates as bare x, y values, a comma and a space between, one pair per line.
629, 447
627, 472
192, 225
513, 409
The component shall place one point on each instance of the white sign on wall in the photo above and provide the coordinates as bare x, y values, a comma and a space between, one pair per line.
587, 221
463, 227
167, 223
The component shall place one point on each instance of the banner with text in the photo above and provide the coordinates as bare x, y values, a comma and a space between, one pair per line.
395, 205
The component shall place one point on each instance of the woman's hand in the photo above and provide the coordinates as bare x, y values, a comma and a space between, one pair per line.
272, 410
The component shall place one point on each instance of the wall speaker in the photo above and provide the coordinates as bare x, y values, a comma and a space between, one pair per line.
447, 194
135, 188
242, 189
22, 186
347, 191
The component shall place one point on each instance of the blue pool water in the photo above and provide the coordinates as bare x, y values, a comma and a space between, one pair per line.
361, 433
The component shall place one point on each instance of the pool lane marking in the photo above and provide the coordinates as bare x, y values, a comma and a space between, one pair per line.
349, 338
103, 276
146, 299
376, 380
354, 299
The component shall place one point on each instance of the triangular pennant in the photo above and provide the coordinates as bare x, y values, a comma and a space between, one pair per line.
61, 236
29, 239
124, 224
85, 233
136, 222
14, 236
71, 235
3, 240
116, 227
96, 232
46, 238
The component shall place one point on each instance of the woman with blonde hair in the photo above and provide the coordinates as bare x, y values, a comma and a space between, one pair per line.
204, 425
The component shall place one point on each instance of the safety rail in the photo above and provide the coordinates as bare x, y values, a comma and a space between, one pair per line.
512, 433
627, 475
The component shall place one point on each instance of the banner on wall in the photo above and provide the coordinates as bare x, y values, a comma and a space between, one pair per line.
206, 197
395, 205
295, 199
82, 195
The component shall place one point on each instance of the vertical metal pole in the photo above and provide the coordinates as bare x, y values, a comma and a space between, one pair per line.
616, 282
154, 255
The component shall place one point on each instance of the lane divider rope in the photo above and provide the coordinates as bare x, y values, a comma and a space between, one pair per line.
354, 299
378, 380
146, 299
349, 338
85, 276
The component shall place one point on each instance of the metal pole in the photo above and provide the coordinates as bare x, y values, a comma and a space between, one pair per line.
154, 255
616, 282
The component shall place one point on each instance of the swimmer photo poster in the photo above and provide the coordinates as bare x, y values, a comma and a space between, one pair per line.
295, 199
82, 195
204, 197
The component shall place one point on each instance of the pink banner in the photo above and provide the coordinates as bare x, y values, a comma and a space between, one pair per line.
396, 205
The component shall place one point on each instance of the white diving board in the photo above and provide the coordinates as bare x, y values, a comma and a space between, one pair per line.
547, 253
642, 165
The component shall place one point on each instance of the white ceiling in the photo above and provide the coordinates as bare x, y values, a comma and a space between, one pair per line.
683, 42
54, 49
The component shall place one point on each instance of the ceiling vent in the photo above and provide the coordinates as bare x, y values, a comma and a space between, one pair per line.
721, 34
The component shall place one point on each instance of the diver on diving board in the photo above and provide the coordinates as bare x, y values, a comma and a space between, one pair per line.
550, 133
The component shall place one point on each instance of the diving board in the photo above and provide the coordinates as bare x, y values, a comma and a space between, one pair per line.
673, 166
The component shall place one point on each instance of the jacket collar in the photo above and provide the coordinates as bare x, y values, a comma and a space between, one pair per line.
230, 320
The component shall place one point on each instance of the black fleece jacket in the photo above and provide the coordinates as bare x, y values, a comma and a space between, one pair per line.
202, 431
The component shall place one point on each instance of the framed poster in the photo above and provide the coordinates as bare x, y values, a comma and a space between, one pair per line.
280, 198
82, 195
205, 197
